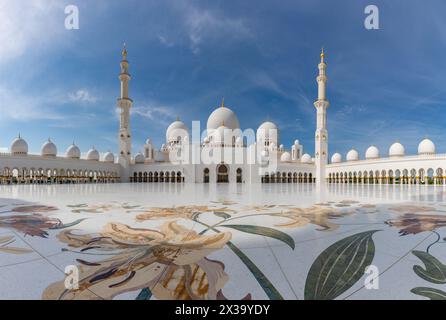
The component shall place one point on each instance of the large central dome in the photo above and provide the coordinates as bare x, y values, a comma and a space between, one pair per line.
223, 117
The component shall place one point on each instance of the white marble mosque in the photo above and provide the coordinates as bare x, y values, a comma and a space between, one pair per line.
230, 215
223, 154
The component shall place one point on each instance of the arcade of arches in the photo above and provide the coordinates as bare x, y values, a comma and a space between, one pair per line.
168, 176
290, 177
56, 176
405, 176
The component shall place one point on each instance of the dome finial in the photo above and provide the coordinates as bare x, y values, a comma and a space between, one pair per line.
178, 118
124, 52
322, 54
19, 136
222, 105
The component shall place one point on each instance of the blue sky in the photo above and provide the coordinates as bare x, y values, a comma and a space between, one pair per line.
261, 56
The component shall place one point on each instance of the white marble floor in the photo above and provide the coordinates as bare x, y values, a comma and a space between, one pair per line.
169, 241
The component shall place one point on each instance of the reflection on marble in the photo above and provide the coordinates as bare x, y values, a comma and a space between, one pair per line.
197, 241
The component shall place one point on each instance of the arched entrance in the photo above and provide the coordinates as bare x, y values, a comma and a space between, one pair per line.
222, 174
206, 175
239, 175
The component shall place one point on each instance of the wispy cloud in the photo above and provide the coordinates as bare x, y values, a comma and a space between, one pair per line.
203, 25
26, 23
15, 105
161, 114
164, 40
82, 95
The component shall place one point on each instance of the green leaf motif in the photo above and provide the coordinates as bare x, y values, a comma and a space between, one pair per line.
130, 207
434, 271
431, 293
81, 205
340, 266
263, 231
87, 211
67, 225
222, 214
266, 285
145, 294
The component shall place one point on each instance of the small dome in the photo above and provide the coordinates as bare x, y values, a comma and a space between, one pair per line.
109, 157
306, 158
267, 131
281, 146
223, 115
48, 149
296, 142
19, 146
176, 132
93, 154
352, 155
426, 147
148, 141
73, 152
285, 157
206, 140
396, 150
336, 158
267, 125
239, 141
372, 153
139, 158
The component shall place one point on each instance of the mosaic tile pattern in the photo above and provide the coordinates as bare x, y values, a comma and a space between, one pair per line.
222, 242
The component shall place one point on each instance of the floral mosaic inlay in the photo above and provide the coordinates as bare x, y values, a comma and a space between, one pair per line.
201, 251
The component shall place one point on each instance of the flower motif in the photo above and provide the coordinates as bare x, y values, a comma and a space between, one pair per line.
6, 248
411, 209
171, 262
415, 223
316, 215
178, 212
33, 208
33, 225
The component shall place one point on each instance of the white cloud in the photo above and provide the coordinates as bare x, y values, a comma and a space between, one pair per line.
82, 95
26, 24
14, 105
204, 24
166, 41
154, 112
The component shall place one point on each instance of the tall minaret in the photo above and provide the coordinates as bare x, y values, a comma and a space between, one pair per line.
321, 135
124, 104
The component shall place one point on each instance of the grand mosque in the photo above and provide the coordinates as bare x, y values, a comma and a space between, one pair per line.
222, 154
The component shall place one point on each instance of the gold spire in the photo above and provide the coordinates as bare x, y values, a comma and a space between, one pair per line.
322, 54
124, 52
222, 105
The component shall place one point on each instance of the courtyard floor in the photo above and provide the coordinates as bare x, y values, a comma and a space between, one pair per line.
181, 241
